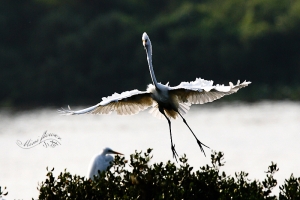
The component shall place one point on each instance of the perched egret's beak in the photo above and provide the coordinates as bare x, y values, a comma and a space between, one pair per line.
114, 152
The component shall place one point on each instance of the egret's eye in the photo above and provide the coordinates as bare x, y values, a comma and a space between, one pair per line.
146, 41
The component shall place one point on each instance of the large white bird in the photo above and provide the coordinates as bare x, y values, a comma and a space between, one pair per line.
166, 101
100, 162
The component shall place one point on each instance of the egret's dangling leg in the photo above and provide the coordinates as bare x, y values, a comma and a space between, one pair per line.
172, 145
198, 141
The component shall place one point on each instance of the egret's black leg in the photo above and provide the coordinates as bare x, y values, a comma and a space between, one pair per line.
198, 141
172, 145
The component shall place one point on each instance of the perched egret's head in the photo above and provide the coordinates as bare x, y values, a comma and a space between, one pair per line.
110, 151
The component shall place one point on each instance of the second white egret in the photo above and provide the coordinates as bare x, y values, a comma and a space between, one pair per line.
100, 162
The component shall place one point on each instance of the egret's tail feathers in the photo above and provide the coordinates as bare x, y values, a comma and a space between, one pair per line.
155, 112
184, 108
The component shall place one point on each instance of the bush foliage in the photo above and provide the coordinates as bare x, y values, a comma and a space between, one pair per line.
166, 181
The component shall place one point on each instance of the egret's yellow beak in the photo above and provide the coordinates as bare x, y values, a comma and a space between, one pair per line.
114, 152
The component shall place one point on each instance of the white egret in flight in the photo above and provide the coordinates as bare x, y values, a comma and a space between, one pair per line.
100, 162
166, 101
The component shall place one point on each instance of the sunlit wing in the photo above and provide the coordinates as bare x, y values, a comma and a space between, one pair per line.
202, 91
126, 103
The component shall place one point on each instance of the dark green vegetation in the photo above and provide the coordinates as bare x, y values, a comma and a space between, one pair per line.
57, 52
166, 181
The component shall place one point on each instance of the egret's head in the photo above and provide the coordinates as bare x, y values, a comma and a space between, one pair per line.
147, 43
145, 39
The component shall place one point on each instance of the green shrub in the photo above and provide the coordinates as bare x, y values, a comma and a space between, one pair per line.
166, 181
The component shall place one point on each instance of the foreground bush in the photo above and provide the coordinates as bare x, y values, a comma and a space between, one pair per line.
166, 181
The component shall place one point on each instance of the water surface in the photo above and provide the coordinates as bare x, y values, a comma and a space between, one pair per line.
250, 135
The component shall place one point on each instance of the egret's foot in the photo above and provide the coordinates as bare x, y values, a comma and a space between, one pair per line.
175, 154
200, 145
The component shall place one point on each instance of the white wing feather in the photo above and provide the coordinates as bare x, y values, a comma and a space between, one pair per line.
202, 91
131, 102
126, 103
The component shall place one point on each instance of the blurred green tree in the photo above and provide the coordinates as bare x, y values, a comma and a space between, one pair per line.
53, 51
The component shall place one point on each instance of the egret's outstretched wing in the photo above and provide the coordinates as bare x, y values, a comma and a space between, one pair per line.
202, 91
126, 103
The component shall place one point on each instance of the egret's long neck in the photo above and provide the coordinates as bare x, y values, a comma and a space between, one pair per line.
149, 59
